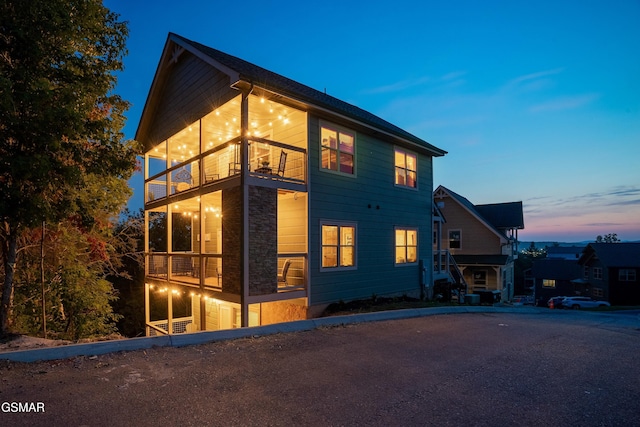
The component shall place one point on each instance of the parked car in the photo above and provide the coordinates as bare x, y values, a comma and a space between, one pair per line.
557, 302
522, 300
583, 302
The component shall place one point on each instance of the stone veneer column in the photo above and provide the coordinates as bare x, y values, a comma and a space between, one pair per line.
231, 240
263, 240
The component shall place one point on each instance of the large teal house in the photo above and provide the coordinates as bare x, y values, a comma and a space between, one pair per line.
266, 200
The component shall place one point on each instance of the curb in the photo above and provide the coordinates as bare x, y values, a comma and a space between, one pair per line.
181, 340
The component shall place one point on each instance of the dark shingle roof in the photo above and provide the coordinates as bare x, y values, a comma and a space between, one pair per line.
503, 215
481, 259
554, 268
614, 254
500, 216
279, 84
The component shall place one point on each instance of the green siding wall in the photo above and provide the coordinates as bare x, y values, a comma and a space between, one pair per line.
377, 206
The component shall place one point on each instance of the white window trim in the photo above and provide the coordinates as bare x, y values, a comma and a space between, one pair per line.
340, 224
459, 230
628, 274
597, 273
406, 263
405, 152
338, 128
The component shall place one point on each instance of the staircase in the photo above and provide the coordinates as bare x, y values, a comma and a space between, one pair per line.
446, 268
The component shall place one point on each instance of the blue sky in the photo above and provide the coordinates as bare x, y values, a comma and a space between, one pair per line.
534, 101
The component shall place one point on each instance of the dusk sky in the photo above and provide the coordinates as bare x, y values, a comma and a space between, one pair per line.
534, 101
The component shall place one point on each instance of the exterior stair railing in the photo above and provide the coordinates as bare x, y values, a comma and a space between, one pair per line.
445, 263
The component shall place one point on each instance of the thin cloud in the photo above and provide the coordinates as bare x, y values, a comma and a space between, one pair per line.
451, 79
565, 103
398, 86
626, 202
533, 76
453, 75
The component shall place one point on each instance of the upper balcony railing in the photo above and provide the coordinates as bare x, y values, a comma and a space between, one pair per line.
267, 160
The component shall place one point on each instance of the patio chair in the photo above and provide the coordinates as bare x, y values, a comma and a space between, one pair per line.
282, 277
282, 164
234, 168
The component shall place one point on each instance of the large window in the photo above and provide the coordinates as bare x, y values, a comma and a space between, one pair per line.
406, 246
627, 275
455, 239
548, 283
338, 149
338, 246
406, 169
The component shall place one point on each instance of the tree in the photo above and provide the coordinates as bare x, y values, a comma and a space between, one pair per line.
608, 238
60, 122
524, 262
83, 257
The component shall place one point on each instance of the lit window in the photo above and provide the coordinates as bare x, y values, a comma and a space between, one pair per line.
406, 169
338, 246
406, 246
338, 149
548, 283
627, 275
455, 239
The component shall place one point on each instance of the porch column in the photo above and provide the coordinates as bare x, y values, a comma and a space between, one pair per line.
170, 311
244, 241
147, 315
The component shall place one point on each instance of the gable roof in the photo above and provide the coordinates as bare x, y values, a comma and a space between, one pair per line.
503, 215
613, 254
497, 216
250, 73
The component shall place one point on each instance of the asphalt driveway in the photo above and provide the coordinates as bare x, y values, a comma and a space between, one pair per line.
494, 369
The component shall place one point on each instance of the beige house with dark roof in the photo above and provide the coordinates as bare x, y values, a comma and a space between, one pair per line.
481, 239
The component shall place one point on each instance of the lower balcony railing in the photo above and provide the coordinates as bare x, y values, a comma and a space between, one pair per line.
193, 269
161, 327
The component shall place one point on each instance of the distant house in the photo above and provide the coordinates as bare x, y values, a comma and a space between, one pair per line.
267, 200
482, 240
564, 252
554, 277
610, 272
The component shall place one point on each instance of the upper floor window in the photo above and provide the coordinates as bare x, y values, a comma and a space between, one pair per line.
337, 147
406, 169
627, 275
586, 273
597, 273
455, 239
406, 245
338, 246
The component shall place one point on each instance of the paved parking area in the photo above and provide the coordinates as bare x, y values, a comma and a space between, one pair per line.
493, 369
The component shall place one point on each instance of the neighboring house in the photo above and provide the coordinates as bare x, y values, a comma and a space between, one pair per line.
564, 252
482, 240
266, 200
554, 277
610, 272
